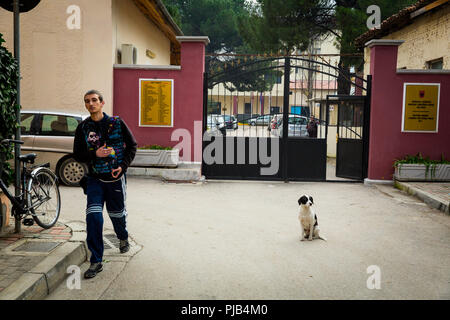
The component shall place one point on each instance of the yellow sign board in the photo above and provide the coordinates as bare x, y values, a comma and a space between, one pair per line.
156, 103
420, 107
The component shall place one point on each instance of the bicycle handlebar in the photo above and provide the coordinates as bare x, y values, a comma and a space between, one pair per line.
11, 140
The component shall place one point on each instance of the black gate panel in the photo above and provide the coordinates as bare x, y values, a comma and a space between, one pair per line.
351, 142
307, 159
242, 158
349, 158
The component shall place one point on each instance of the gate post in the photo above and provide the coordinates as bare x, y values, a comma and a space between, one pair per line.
205, 102
366, 127
284, 160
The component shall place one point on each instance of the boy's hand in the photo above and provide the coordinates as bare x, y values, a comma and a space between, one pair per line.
103, 151
116, 172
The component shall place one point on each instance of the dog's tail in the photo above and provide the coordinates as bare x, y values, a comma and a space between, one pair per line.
322, 238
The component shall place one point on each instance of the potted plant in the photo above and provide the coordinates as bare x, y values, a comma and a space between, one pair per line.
419, 168
156, 156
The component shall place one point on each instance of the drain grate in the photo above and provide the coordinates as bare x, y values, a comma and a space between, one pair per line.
111, 241
37, 246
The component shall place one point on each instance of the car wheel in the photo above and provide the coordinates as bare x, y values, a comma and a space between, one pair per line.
71, 171
252, 123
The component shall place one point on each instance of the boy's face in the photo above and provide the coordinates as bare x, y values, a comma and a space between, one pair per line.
93, 104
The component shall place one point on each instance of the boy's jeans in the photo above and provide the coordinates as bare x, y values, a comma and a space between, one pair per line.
113, 194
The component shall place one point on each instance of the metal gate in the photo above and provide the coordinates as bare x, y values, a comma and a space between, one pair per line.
351, 135
247, 101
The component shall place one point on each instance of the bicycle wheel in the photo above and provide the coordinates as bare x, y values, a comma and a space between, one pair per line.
43, 197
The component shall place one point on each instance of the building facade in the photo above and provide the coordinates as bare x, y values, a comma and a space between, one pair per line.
425, 28
70, 47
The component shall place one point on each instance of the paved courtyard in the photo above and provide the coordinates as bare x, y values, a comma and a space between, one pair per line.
240, 240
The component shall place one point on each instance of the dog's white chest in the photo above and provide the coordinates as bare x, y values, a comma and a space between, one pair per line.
305, 218
305, 221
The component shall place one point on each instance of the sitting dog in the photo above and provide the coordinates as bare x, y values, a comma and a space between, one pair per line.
308, 219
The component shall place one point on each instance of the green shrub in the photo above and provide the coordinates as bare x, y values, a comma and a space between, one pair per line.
9, 74
155, 147
419, 159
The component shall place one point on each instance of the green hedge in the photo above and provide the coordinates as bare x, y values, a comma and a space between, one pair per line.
9, 74
154, 147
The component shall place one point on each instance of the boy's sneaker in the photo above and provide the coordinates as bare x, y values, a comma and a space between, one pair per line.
93, 270
124, 246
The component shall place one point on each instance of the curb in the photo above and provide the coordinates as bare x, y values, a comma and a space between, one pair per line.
183, 173
41, 280
429, 199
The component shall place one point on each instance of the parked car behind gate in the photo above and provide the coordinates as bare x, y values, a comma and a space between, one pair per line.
221, 121
260, 121
229, 120
297, 126
50, 135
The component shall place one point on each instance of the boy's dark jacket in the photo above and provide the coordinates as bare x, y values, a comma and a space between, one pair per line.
90, 135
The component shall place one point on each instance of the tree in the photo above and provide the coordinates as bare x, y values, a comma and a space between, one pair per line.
286, 25
354, 11
214, 18
245, 74
9, 74
218, 19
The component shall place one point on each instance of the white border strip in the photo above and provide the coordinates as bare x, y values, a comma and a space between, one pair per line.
171, 107
403, 106
423, 71
146, 67
204, 39
383, 42
369, 182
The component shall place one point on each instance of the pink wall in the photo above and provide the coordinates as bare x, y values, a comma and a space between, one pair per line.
187, 100
387, 142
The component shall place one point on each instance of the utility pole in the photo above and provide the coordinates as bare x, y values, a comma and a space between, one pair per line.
16, 8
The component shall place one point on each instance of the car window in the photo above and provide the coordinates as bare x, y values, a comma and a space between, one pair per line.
72, 124
220, 119
296, 120
26, 120
58, 125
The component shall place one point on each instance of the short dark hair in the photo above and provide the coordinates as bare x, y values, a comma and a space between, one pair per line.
98, 93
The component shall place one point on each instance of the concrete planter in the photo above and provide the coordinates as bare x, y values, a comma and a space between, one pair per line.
156, 158
5, 211
420, 172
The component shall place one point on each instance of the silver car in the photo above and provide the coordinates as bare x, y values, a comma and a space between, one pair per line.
261, 120
297, 126
50, 135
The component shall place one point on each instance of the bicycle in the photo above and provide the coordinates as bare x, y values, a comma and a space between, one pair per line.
39, 192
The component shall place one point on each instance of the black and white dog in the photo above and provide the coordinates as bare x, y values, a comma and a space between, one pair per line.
308, 219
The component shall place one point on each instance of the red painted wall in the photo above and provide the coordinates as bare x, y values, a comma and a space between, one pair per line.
387, 142
187, 100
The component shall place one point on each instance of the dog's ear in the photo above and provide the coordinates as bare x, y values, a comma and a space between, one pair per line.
311, 199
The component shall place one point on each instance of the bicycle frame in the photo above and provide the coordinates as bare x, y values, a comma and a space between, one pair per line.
19, 201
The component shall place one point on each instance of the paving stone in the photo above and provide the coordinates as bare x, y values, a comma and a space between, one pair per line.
6, 282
